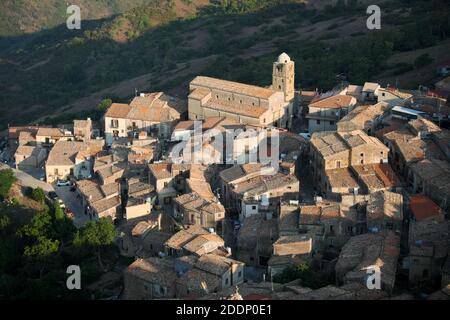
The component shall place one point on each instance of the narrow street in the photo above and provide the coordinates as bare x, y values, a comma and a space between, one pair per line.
27, 180
72, 202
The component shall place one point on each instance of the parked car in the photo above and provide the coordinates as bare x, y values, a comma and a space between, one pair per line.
305, 135
63, 183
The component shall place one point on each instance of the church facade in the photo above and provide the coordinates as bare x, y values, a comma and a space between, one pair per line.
247, 104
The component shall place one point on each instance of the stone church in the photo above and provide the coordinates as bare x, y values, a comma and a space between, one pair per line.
247, 104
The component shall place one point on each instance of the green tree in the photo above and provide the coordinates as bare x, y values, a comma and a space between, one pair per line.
41, 253
303, 272
38, 195
104, 105
7, 179
58, 212
43, 248
97, 235
40, 226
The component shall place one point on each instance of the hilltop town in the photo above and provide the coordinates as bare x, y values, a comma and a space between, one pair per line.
245, 192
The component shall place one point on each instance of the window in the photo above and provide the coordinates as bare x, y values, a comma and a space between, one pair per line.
362, 154
161, 290
226, 281
361, 161
383, 94
331, 123
239, 274
253, 207
338, 164
166, 184
331, 228
317, 121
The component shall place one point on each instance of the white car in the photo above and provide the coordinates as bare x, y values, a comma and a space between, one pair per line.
305, 135
63, 183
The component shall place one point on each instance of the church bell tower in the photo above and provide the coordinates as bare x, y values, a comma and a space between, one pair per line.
283, 76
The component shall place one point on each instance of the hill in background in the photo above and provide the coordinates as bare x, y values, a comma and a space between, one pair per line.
163, 44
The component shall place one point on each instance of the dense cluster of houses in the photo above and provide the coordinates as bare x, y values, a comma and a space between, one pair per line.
370, 187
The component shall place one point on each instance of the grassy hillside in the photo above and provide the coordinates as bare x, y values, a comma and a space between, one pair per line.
164, 44
27, 16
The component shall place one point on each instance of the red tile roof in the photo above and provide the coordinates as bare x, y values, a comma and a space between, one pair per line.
423, 207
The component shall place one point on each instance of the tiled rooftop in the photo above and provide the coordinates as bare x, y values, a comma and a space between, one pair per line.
235, 87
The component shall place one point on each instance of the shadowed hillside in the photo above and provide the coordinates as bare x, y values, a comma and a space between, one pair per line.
164, 44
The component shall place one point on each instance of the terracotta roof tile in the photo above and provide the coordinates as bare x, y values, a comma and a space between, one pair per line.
249, 90
423, 207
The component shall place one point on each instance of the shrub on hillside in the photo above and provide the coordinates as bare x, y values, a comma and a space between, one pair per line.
7, 179
38, 195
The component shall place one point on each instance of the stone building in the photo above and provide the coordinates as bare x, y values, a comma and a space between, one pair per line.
49, 136
156, 113
192, 208
168, 179
151, 278
210, 273
73, 158
366, 118
394, 97
418, 151
255, 240
324, 113
253, 189
100, 200
384, 211
247, 104
364, 253
428, 240
370, 91
328, 225
29, 156
194, 240
82, 129
345, 162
